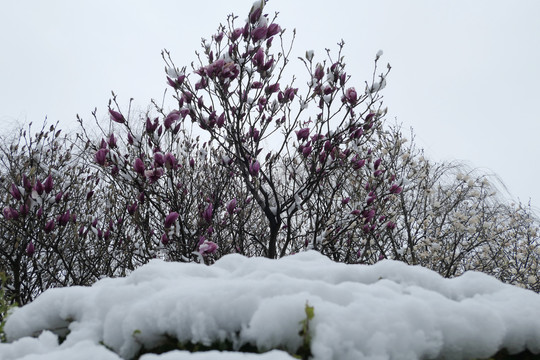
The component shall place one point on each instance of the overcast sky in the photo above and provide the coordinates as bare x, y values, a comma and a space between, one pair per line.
465, 74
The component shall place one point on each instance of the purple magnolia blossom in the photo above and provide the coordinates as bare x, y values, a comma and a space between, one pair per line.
207, 248
38, 187
254, 168
49, 226
26, 183
306, 150
259, 33
302, 134
208, 213
138, 166
132, 208
64, 218
153, 175
270, 89
273, 29
231, 206
351, 96
171, 118
58, 197
24, 209
170, 219
390, 225
159, 159
112, 141
395, 189
258, 58
319, 72
101, 156
10, 213
237, 33
117, 117
14, 191
164, 239
151, 126
170, 161
30, 249
48, 184
39, 212
345, 201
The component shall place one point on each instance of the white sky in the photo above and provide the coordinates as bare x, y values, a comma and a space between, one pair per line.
465, 74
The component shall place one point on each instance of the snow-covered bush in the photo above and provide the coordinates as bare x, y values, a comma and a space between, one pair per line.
337, 311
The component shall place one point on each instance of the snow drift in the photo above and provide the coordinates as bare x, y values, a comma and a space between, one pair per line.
384, 311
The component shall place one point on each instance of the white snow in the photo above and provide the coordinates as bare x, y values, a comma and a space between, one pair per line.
384, 311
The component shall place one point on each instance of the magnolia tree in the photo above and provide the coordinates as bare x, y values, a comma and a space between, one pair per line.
452, 219
44, 204
268, 177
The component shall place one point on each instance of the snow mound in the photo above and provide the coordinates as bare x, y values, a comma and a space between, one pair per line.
384, 311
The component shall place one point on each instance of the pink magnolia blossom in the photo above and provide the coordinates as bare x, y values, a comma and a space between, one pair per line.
207, 248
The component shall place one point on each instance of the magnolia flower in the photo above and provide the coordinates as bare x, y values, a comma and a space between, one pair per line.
208, 213
231, 206
319, 72
164, 239
48, 184
30, 249
254, 168
395, 189
273, 29
132, 208
302, 134
207, 248
64, 218
49, 226
116, 116
14, 191
101, 156
159, 159
171, 118
351, 96
138, 166
170, 219
259, 33
38, 187
170, 161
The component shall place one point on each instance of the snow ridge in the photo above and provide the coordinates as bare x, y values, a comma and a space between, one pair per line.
384, 311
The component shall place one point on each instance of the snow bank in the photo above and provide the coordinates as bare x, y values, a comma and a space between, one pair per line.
384, 311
